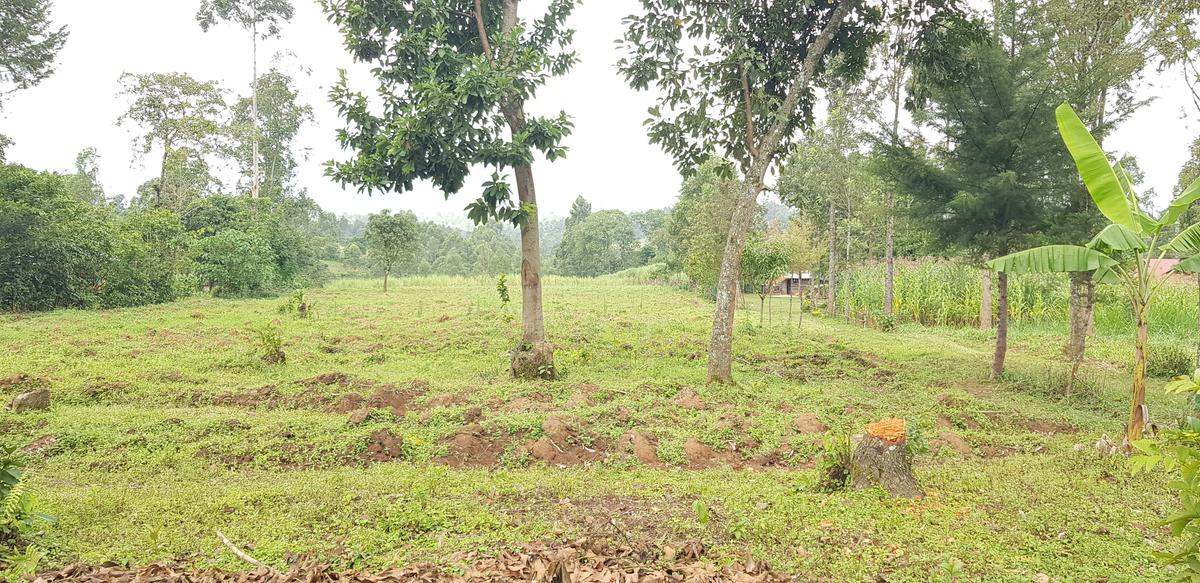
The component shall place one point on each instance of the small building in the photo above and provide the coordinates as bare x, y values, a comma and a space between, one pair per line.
792, 284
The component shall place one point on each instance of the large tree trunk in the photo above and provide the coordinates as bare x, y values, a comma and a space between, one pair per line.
1001, 326
720, 350
985, 299
1138, 414
831, 275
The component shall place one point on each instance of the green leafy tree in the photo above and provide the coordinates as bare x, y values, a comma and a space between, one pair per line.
53, 247
762, 262
454, 77
264, 131
84, 184
603, 242
992, 186
390, 240
182, 185
236, 263
29, 44
1125, 252
580, 209
736, 80
699, 223
173, 111
262, 19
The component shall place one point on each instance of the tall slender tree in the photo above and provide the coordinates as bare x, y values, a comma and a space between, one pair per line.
737, 81
174, 111
454, 77
262, 19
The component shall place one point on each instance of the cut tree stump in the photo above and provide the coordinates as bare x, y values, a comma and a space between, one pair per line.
882, 459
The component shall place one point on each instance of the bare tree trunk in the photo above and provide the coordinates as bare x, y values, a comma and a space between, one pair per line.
386, 273
720, 351
254, 109
985, 300
831, 276
889, 259
1001, 326
1138, 414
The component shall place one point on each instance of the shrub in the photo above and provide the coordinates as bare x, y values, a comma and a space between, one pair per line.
1169, 359
236, 263
19, 518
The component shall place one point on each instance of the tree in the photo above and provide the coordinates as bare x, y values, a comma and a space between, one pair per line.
28, 44
736, 80
829, 171
762, 262
1124, 252
174, 111
604, 242
84, 184
580, 209
262, 19
996, 182
454, 77
699, 223
235, 263
390, 240
264, 128
186, 179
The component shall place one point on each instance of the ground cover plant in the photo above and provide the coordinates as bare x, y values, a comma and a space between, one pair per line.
393, 434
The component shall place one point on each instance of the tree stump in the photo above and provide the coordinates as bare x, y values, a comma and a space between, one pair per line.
882, 459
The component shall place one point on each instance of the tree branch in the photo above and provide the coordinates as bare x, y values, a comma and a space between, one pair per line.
750, 150
242, 554
803, 78
483, 35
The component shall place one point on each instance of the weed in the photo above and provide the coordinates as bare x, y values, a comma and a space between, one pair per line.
268, 343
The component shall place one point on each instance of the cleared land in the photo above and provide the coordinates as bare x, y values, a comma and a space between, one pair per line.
393, 435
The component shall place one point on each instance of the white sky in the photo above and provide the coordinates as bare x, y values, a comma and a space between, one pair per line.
611, 161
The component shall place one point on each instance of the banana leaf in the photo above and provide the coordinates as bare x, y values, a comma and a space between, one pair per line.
1053, 259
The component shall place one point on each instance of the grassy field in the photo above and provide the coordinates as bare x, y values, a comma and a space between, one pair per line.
393, 434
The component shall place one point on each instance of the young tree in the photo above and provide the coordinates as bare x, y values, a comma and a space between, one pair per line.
390, 240
699, 223
736, 80
262, 19
174, 111
762, 262
84, 184
454, 77
1125, 252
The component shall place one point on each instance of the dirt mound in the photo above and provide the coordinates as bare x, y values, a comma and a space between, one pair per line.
561, 444
641, 445
952, 440
19, 379
689, 399
473, 448
384, 446
326, 379
808, 423
385, 398
582, 560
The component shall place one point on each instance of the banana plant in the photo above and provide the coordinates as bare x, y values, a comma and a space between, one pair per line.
1125, 253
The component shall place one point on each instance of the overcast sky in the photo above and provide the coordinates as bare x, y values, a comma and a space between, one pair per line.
611, 161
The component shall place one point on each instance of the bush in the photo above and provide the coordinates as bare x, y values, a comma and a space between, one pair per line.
234, 263
19, 519
1169, 359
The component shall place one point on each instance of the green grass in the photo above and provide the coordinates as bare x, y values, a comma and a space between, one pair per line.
154, 451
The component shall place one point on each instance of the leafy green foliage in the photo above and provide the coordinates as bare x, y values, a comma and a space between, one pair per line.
281, 114
262, 16
450, 96
236, 263
390, 238
268, 343
762, 262
603, 242
19, 518
30, 44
